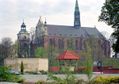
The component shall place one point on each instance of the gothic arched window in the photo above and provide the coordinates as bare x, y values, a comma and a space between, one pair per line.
60, 43
76, 45
52, 42
81, 43
70, 44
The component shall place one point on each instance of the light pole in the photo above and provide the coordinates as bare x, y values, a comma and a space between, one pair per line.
99, 66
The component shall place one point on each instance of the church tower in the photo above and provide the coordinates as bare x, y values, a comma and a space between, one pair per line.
40, 32
23, 42
77, 23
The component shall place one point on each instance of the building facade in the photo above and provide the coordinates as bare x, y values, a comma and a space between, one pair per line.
73, 37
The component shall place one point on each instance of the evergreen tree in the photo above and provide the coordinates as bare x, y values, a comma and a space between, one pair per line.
22, 68
110, 15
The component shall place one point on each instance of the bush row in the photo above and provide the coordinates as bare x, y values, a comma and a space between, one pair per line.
5, 75
96, 80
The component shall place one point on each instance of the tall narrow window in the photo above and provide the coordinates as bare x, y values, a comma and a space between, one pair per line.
70, 44
80, 43
50, 42
76, 45
61, 43
53, 42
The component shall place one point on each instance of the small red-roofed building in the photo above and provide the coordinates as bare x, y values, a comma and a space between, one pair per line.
68, 55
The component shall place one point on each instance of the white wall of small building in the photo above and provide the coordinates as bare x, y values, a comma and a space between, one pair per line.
30, 64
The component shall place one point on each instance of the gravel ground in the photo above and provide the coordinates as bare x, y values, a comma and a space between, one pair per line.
35, 78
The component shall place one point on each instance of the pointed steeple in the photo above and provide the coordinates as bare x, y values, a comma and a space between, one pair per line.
77, 23
40, 22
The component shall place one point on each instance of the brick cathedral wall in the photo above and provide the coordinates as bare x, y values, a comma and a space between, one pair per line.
102, 51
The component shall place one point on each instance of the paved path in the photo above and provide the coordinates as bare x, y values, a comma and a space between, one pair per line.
8, 83
35, 78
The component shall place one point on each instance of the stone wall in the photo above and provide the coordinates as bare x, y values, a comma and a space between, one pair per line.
30, 64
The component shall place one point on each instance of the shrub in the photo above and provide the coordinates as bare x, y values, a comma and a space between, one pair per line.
105, 80
69, 77
43, 72
40, 82
81, 81
5, 75
111, 62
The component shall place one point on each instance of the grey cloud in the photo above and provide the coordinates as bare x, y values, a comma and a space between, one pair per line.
91, 6
7, 12
31, 9
63, 7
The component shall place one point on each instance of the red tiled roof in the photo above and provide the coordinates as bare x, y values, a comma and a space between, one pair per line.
68, 55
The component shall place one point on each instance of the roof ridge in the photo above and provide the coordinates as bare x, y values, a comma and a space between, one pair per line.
59, 25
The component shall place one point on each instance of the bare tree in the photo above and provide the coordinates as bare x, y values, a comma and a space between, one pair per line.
5, 48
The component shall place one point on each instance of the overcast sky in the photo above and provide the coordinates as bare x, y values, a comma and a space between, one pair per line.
13, 12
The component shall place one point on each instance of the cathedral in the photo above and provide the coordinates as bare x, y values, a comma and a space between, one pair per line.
63, 37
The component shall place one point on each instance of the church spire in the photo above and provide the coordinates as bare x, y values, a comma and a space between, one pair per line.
77, 23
